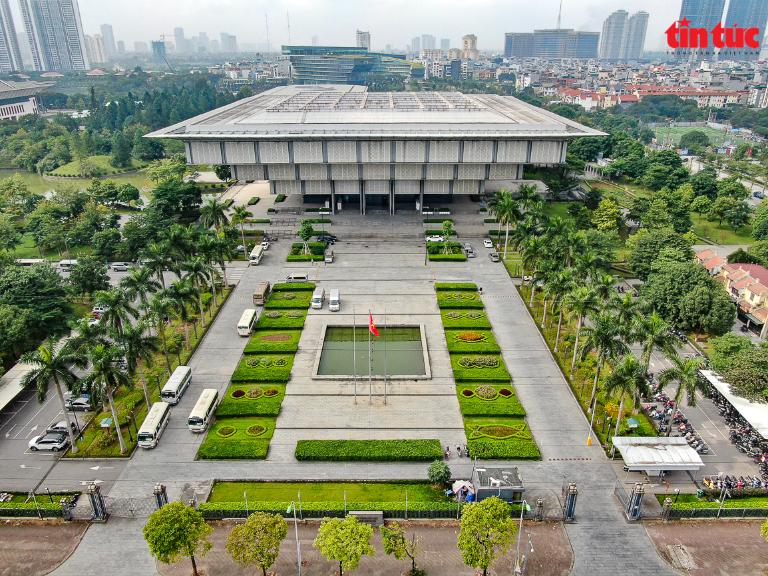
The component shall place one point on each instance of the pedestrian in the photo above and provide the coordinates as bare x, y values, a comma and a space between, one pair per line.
458, 451
480, 289
447, 452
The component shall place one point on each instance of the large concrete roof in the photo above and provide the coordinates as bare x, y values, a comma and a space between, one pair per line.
328, 111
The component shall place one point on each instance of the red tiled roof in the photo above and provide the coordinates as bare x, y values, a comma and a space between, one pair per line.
713, 262
759, 273
705, 254
743, 283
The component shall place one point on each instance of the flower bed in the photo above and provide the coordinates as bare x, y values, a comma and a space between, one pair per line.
501, 402
252, 400
264, 368
503, 438
270, 341
455, 286
237, 438
369, 450
281, 319
478, 341
293, 299
465, 319
459, 299
479, 367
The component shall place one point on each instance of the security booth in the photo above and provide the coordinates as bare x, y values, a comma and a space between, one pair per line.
504, 483
654, 455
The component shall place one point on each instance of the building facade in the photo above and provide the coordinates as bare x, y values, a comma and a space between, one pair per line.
746, 13
110, 48
518, 44
360, 150
469, 47
565, 43
95, 49
10, 55
55, 34
20, 98
612, 36
228, 43
363, 39
342, 64
634, 39
700, 14
159, 53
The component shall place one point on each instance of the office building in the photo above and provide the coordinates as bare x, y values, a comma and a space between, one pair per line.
428, 42
748, 14
612, 37
120, 47
10, 55
363, 39
518, 44
634, 39
108, 35
342, 64
445, 44
158, 51
202, 42
565, 43
95, 48
469, 47
180, 41
363, 151
585, 45
700, 14
416, 45
55, 34
228, 43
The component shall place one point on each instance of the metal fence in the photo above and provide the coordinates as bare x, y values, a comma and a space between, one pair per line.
681, 513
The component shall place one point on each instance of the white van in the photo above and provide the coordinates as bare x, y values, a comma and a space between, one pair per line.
67, 264
318, 297
334, 302
202, 413
256, 254
297, 277
177, 384
153, 425
246, 322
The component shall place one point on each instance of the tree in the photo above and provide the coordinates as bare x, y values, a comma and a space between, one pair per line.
104, 379
748, 374
439, 472
397, 545
653, 333
760, 222
128, 193
167, 169
118, 308
607, 216
177, 530
213, 214
239, 217
257, 541
626, 379
731, 187
657, 216
580, 301
602, 337
701, 205
447, 229
305, 233
759, 250
725, 350
644, 248
139, 284
684, 371
146, 149
722, 207
223, 171
695, 140
53, 362
137, 345
486, 532
704, 183
345, 541
89, 275
10, 237
121, 151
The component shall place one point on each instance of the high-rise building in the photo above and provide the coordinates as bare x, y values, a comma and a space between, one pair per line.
10, 55
634, 39
518, 44
445, 44
96, 49
700, 14
748, 14
469, 47
55, 34
203, 42
427, 42
228, 42
180, 41
565, 43
109, 40
363, 39
585, 45
342, 64
416, 44
120, 47
613, 35
158, 51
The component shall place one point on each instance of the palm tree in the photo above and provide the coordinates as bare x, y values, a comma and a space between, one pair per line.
105, 378
533, 252
587, 264
86, 334
603, 285
207, 247
156, 259
139, 284
604, 339
159, 308
179, 242
213, 214
579, 301
684, 371
627, 379
653, 333
180, 294
625, 311
53, 362
529, 198
198, 271
138, 345
447, 229
562, 284
239, 217
507, 211
119, 308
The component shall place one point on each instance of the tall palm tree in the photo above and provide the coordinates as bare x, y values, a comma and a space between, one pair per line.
626, 379
198, 271
507, 211
603, 338
562, 284
580, 301
118, 308
157, 259
213, 214
53, 362
684, 371
180, 294
207, 247
159, 308
105, 378
179, 242
533, 252
139, 284
529, 198
653, 333
86, 334
603, 284
587, 264
137, 345
239, 217
494, 207
624, 309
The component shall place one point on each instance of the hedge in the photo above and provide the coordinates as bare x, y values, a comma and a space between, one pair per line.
253, 200
270, 341
304, 258
30, 509
243, 405
282, 319
509, 449
437, 220
260, 221
472, 341
299, 299
456, 286
447, 257
219, 510
499, 406
214, 448
437, 232
264, 369
280, 198
293, 287
369, 450
497, 373
464, 319
318, 221
459, 299
272, 211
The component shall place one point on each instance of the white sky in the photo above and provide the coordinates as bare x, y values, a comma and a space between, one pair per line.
392, 22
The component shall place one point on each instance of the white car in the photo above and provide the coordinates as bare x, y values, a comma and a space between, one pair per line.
79, 404
120, 266
488, 243
99, 309
265, 245
435, 238
60, 427
53, 441
240, 249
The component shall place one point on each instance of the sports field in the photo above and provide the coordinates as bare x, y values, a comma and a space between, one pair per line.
717, 137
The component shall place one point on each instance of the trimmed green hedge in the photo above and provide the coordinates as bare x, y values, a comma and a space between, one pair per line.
264, 368
460, 341
219, 510
304, 258
437, 220
456, 286
285, 300
282, 319
30, 509
513, 449
253, 200
475, 372
280, 198
260, 221
447, 257
235, 405
270, 341
475, 405
459, 299
318, 221
464, 319
437, 231
215, 449
369, 450
293, 287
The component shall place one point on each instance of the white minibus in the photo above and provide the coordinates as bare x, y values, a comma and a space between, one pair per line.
256, 254
176, 385
202, 413
246, 322
318, 296
67, 264
154, 424
334, 301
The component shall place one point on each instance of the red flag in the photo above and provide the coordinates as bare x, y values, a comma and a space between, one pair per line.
371, 326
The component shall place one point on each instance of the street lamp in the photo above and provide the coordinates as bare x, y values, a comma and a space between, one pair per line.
677, 493
292, 507
518, 565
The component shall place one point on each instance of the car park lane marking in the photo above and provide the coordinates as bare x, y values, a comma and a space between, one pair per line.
33, 417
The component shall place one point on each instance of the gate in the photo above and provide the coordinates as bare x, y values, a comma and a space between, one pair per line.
130, 507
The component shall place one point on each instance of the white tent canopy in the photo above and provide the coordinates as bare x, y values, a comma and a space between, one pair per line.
754, 413
655, 454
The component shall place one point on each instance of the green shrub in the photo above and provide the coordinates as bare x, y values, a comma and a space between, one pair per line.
474, 341
479, 367
491, 221
281, 319
264, 368
260, 221
218, 449
271, 210
437, 231
436, 220
304, 258
322, 509
500, 405
318, 221
464, 319
369, 450
293, 287
238, 400
283, 299
513, 449
459, 299
447, 257
280, 198
253, 200
269, 341
456, 286
30, 509
227, 203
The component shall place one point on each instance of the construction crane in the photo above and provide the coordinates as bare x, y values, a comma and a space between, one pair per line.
165, 55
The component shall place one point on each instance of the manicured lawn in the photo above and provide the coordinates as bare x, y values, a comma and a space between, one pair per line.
455, 286
479, 367
238, 438
722, 234
287, 300
688, 501
101, 162
326, 491
251, 400
552, 209
503, 438
464, 319
268, 341
27, 249
282, 319
459, 299
369, 450
472, 341
489, 400
41, 184
264, 368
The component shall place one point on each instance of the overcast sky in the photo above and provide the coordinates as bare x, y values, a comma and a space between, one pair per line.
392, 22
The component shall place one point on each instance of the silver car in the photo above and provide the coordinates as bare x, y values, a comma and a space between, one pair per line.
120, 266
60, 427
53, 442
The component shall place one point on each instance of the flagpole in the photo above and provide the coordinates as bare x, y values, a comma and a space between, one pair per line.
385, 355
370, 362
354, 351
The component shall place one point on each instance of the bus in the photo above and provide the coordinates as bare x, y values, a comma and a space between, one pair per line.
67, 264
261, 293
176, 385
154, 424
256, 254
30, 261
202, 413
246, 322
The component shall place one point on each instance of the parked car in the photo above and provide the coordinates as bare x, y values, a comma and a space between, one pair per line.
120, 266
265, 245
99, 309
494, 256
60, 427
240, 249
53, 441
469, 251
435, 238
488, 243
79, 404
328, 238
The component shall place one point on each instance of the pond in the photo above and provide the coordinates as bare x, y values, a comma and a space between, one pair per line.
397, 351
